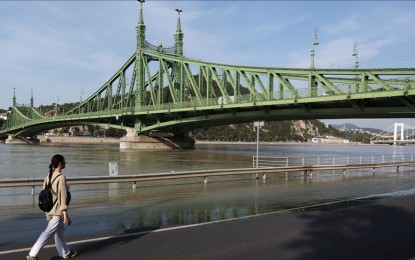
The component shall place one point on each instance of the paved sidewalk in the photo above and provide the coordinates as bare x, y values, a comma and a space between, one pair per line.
382, 229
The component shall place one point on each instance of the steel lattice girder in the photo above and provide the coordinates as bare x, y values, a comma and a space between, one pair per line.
174, 90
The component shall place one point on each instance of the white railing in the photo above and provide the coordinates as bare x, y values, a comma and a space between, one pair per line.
270, 161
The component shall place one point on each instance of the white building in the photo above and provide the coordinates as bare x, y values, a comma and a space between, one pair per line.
329, 140
4, 116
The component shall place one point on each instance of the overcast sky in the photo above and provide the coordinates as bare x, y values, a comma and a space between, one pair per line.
64, 49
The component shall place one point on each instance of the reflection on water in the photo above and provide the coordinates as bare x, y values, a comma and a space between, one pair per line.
108, 207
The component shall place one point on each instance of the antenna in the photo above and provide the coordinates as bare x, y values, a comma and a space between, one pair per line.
315, 37
31, 98
356, 54
314, 43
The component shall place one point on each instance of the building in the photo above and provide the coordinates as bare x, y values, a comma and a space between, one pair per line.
329, 140
4, 116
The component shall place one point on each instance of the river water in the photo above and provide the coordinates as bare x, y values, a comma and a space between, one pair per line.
155, 204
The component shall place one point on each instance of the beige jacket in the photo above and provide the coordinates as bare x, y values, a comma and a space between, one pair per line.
58, 194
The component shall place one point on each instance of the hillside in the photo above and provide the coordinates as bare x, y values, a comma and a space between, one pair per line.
351, 127
277, 131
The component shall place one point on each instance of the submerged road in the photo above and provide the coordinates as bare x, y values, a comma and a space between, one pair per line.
381, 228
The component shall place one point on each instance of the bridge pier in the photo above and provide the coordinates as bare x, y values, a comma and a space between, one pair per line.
20, 140
143, 142
11, 140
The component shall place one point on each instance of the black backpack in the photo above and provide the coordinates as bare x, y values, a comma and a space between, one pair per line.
45, 196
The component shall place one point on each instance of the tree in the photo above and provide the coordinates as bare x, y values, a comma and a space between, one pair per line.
360, 138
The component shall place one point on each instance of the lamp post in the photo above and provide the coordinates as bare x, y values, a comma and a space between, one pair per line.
258, 125
56, 107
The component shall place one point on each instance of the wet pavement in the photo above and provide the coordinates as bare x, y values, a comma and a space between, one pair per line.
377, 229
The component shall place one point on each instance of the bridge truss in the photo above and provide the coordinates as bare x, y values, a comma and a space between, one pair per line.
159, 89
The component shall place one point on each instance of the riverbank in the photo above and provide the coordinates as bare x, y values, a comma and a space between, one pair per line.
78, 140
108, 140
371, 228
274, 143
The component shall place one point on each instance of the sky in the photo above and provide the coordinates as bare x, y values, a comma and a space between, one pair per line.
62, 51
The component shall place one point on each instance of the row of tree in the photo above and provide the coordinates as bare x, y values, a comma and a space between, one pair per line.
279, 131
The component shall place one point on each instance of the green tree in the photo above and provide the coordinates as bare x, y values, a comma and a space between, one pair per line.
360, 137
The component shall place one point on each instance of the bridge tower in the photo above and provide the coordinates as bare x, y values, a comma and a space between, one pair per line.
178, 36
395, 132
139, 66
143, 141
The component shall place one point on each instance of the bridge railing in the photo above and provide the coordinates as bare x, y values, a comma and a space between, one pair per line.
258, 97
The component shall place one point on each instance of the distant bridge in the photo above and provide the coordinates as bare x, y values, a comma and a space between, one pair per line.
397, 134
158, 89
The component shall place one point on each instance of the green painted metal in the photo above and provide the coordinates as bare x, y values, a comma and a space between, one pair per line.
159, 89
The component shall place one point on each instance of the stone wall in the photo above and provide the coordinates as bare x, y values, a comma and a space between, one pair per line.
77, 139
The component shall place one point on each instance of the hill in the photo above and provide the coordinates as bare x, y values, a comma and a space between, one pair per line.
276, 131
352, 127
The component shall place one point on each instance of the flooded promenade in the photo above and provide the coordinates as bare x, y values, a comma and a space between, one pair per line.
118, 208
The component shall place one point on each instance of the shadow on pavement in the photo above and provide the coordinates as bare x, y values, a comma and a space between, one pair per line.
100, 248
370, 232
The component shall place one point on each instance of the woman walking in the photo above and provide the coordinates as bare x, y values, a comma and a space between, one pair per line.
58, 216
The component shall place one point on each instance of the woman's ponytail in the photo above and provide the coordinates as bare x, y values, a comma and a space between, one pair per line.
56, 160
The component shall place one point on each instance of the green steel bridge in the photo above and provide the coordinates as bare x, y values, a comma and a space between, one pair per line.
159, 89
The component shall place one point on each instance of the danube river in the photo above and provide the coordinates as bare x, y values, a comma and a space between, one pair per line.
157, 204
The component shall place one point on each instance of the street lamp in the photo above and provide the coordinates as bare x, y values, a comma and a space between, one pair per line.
56, 107
258, 125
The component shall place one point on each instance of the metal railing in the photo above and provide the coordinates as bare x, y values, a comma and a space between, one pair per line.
273, 161
269, 165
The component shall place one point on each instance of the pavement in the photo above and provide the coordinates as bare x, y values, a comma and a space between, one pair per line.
382, 228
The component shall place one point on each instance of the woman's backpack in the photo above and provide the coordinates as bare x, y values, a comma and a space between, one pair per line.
45, 196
